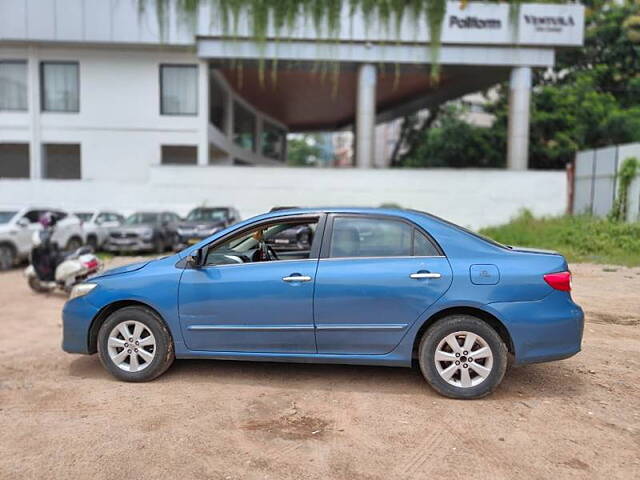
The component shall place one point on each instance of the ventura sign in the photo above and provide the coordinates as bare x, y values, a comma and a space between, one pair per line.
538, 24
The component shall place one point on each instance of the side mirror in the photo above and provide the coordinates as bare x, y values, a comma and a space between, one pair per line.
23, 222
195, 259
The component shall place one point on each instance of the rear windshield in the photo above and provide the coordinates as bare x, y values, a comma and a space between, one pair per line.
85, 217
465, 230
207, 215
142, 217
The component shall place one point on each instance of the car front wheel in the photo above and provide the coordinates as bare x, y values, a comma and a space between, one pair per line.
463, 357
134, 345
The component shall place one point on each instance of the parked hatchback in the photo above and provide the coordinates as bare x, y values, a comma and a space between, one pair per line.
376, 287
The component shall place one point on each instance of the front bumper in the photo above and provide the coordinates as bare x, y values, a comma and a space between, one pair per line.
77, 316
134, 245
544, 330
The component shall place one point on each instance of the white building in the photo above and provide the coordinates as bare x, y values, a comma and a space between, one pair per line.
93, 100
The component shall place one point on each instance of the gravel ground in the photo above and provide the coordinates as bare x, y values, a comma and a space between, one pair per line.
63, 416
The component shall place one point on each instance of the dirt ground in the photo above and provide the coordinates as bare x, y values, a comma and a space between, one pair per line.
63, 416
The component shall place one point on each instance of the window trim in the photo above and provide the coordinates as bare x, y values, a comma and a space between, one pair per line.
314, 252
42, 84
26, 83
328, 232
183, 65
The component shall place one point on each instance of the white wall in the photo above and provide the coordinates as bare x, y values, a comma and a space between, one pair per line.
119, 125
472, 198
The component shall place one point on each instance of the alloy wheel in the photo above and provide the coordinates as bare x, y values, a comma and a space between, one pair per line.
131, 346
464, 359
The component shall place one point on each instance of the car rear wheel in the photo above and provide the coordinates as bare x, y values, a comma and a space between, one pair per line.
7, 257
134, 345
461, 356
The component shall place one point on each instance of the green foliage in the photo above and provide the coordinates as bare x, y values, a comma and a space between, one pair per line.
472, 146
302, 152
589, 100
325, 16
579, 238
628, 171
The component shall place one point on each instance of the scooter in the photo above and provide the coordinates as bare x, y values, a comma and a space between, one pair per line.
51, 269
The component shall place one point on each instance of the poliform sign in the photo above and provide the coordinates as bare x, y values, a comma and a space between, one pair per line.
537, 24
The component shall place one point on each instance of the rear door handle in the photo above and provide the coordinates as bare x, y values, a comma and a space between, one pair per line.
297, 278
419, 275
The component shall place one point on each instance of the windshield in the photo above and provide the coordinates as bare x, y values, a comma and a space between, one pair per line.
207, 215
84, 216
6, 216
142, 217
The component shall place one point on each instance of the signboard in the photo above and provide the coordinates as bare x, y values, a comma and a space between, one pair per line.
536, 24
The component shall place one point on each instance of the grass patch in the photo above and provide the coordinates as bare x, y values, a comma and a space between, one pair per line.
578, 238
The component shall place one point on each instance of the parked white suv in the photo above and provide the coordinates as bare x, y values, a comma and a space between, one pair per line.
97, 224
18, 225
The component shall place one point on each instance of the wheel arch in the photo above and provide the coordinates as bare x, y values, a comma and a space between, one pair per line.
8, 243
493, 321
101, 316
14, 248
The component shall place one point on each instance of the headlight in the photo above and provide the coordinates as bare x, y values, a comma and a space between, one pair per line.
147, 235
81, 290
210, 232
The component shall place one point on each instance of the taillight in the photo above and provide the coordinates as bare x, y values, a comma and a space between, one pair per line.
91, 264
559, 280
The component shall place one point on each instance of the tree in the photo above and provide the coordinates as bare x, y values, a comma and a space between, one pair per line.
590, 99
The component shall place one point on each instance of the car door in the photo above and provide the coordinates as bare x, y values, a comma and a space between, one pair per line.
261, 306
375, 277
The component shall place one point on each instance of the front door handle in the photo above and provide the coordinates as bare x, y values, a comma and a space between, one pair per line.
419, 275
297, 278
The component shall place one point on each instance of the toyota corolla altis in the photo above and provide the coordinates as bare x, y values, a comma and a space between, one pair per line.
376, 287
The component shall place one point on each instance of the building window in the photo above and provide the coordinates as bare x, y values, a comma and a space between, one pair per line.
13, 86
217, 104
273, 141
60, 86
61, 160
244, 127
179, 155
179, 89
14, 160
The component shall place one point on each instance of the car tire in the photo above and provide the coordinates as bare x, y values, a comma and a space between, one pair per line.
158, 245
73, 244
470, 377
7, 256
92, 241
117, 351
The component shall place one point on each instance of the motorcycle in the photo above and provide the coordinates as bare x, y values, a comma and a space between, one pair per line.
52, 269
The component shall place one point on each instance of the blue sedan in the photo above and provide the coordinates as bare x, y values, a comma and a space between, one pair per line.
375, 287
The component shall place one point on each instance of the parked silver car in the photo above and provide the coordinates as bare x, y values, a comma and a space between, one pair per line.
97, 224
144, 232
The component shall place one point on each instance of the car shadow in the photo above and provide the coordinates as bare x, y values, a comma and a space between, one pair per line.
529, 381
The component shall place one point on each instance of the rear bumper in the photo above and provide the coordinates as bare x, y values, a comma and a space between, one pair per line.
544, 330
77, 316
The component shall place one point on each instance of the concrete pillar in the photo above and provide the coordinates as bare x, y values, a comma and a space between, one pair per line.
203, 112
518, 134
365, 116
33, 92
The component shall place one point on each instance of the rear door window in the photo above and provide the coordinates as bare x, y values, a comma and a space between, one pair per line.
370, 237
